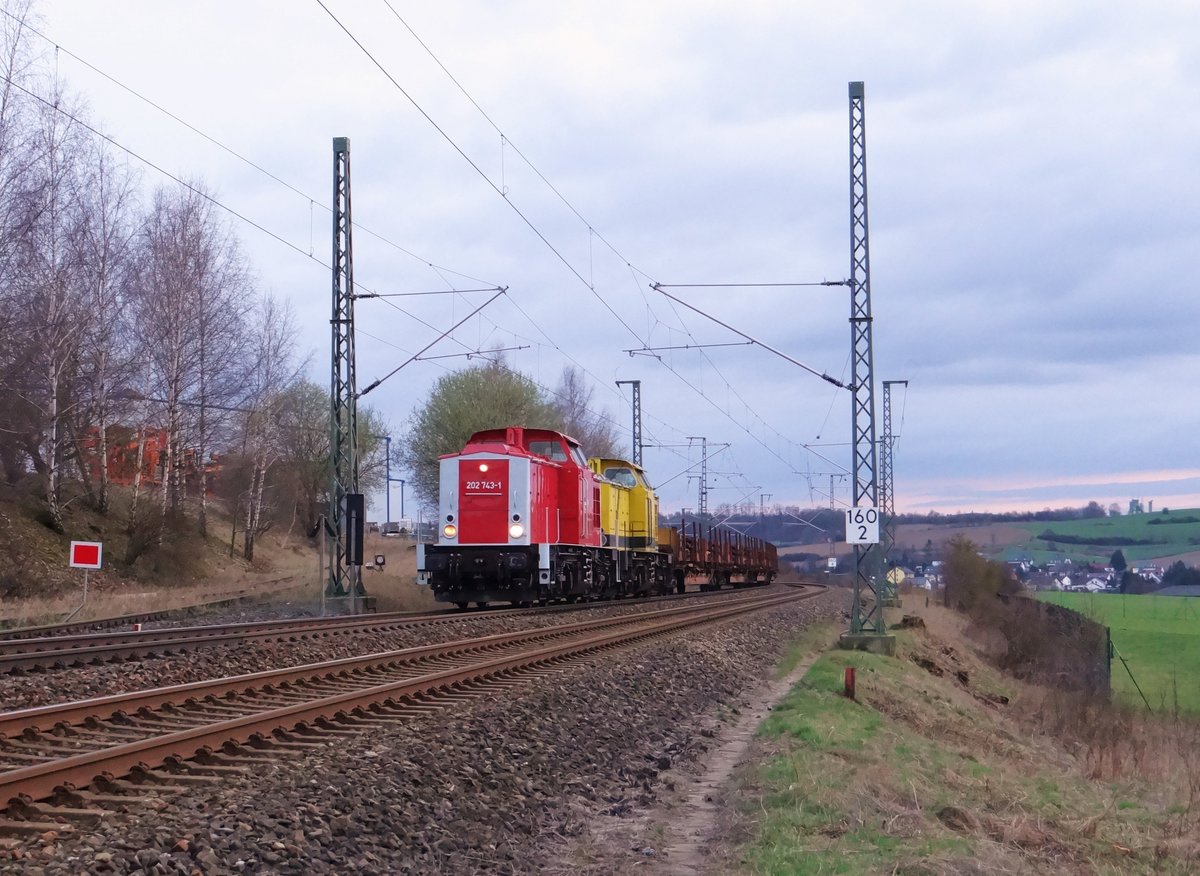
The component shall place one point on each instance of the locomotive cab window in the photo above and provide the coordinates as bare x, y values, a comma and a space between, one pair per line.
578, 456
552, 450
622, 476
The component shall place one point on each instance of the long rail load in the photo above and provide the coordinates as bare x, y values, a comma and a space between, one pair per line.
525, 517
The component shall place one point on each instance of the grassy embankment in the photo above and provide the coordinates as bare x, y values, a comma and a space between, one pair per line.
1159, 637
36, 585
1094, 540
933, 771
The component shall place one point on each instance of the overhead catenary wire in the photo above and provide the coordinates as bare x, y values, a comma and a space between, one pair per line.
474, 166
309, 254
502, 191
506, 140
279, 238
768, 347
312, 201
431, 343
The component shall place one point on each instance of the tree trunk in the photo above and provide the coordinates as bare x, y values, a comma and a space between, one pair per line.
237, 508
102, 440
53, 494
254, 518
137, 479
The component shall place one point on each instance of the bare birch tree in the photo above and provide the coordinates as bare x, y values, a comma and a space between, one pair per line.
273, 375
164, 287
104, 245
594, 430
191, 292
53, 319
18, 433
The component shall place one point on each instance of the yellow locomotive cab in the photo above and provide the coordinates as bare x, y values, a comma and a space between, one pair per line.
628, 505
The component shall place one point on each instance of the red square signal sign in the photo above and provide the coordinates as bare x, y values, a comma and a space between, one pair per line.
86, 554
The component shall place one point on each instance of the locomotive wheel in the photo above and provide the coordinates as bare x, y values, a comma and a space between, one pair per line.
462, 606
482, 604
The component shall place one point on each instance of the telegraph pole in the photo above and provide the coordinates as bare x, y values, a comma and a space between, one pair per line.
637, 419
867, 627
346, 506
887, 493
387, 480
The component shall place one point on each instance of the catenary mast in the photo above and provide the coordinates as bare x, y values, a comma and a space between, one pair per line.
864, 619
346, 507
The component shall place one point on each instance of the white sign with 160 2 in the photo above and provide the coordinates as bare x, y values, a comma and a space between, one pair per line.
862, 525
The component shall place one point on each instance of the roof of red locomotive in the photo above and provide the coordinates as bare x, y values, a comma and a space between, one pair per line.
511, 441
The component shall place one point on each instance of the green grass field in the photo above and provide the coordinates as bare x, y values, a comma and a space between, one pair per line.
1170, 533
1159, 636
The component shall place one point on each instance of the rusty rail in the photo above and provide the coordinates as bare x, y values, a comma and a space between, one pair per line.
178, 722
99, 647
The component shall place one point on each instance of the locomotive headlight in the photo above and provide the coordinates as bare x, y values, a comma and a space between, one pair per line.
449, 530
516, 530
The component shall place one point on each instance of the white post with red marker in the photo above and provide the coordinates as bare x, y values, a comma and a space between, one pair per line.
85, 555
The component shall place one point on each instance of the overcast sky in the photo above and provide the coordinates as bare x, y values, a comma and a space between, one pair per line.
1032, 176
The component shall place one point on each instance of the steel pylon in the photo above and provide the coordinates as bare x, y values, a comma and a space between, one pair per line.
344, 577
887, 488
866, 619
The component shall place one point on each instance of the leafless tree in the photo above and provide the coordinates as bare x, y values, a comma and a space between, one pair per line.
191, 284
223, 302
18, 434
104, 244
594, 430
273, 374
52, 318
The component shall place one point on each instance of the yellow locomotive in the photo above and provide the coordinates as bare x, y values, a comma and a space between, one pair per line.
629, 523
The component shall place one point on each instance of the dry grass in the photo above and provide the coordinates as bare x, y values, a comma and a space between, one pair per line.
286, 569
395, 587
947, 766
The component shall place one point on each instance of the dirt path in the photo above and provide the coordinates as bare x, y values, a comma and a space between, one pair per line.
684, 833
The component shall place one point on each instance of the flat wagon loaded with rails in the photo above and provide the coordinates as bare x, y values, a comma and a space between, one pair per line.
525, 517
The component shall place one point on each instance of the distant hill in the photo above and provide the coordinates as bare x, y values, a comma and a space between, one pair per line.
1160, 537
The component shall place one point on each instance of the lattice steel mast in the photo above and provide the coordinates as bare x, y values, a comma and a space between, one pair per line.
344, 573
887, 489
702, 498
868, 619
637, 418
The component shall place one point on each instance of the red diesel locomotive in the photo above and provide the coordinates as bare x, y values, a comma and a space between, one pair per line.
520, 520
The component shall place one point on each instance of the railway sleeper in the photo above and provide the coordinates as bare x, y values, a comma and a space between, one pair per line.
246, 754
81, 798
219, 761
9, 827
298, 735
166, 782
138, 790
28, 810
270, 743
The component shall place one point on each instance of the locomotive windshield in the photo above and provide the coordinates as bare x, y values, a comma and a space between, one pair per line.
552, 450
622, 476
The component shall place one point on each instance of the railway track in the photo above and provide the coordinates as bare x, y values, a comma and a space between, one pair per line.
71, 649
175, 737
125, 620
